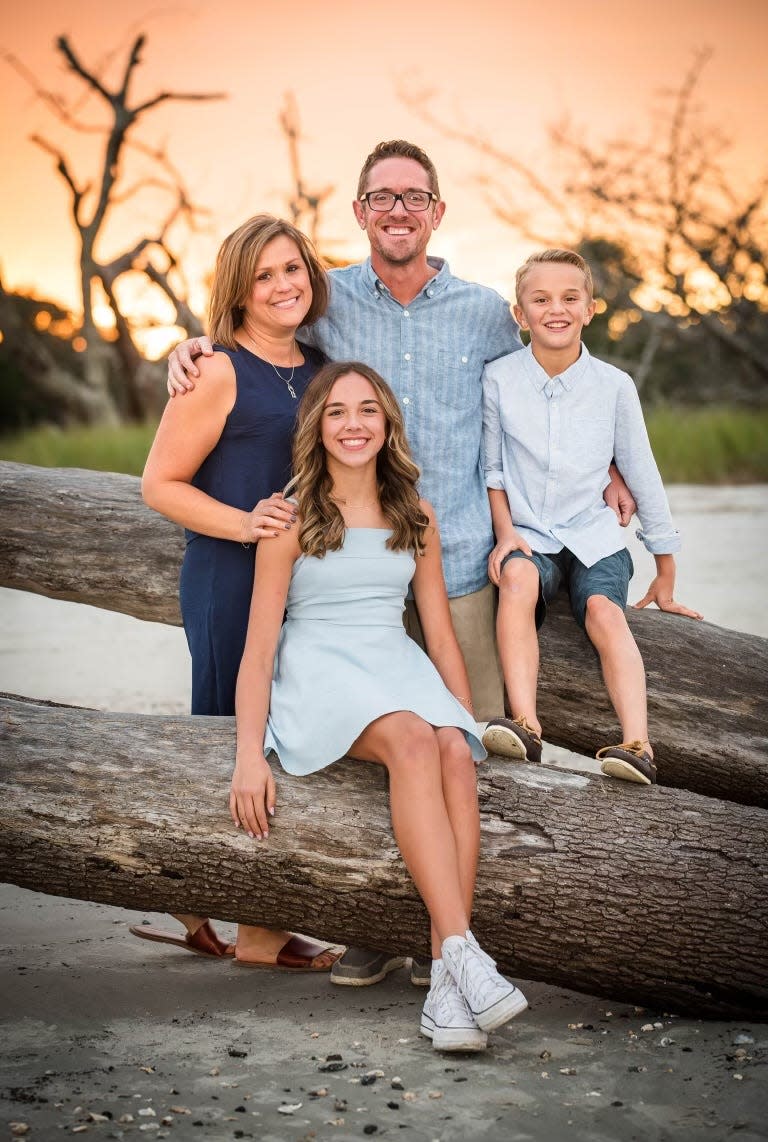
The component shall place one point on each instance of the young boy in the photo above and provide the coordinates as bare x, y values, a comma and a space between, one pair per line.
553, 420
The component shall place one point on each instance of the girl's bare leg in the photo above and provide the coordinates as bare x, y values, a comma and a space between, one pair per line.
460, 792
409, 748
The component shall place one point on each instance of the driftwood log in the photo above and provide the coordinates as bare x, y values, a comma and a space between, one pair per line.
87, 536
654, 896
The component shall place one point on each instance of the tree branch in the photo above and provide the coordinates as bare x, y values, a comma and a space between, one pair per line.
91, 80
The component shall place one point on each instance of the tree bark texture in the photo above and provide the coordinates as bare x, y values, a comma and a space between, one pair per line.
652, 896
87, 536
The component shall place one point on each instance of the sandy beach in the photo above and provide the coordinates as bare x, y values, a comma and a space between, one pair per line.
111, 1037
106, 1036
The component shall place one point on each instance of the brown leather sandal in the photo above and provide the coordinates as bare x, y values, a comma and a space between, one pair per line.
298, 954
203, 942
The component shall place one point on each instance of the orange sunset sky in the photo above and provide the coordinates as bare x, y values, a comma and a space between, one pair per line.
506, 69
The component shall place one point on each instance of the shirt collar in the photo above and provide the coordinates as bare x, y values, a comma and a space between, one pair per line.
567, 379
432, 288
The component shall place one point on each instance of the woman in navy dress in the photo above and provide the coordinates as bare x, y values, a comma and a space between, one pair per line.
213, 467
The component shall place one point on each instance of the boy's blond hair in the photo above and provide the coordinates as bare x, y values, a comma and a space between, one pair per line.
560, 257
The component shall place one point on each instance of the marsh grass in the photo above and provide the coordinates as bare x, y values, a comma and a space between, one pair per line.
692, 446
710, 445
122, 449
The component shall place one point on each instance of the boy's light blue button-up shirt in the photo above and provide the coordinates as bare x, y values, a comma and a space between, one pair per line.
548, 444
432, 352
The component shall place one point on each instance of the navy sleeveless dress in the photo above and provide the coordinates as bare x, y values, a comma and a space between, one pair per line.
251, 460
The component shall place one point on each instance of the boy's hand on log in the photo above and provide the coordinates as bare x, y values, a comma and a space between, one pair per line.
252, 796
269, 518
513, 542
181, 364
660, 593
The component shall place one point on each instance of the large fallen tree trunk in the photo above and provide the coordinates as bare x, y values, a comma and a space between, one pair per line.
87, 536
654, 896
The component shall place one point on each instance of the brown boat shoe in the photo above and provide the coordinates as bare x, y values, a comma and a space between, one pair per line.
629, 761
508, 738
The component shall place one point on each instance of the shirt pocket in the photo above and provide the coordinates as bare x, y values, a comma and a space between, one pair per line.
458, 379
593, 436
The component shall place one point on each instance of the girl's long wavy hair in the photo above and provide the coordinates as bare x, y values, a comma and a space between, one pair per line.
322, 524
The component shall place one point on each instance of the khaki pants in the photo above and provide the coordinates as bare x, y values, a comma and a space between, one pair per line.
474, 620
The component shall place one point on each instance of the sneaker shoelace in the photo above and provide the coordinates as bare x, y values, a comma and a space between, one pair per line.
523, 724
446, 997
635, 747
468, 983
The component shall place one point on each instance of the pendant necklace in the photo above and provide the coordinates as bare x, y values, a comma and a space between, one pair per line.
286, 380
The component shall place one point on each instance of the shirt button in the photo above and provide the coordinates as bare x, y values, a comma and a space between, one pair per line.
464, 360
406, 400
407, 356
429, 293
406, 313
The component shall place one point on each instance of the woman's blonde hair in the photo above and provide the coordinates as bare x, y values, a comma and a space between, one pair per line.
235, 272
322, 524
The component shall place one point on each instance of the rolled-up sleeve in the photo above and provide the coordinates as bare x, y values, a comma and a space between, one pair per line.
635, 460
492, 435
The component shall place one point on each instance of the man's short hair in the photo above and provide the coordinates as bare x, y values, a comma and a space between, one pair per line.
561, 257
398, 149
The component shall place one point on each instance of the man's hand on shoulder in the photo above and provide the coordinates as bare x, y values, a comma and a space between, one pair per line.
182, 367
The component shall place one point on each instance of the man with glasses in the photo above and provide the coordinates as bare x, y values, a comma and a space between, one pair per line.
429, 334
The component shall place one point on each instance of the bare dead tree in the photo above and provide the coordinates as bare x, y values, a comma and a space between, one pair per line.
92, 202
305, 205
697, 238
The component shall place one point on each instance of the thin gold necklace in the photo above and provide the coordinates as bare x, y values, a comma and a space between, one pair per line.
259, 352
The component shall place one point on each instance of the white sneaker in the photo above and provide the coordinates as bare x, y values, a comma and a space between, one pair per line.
491, 998
446, 1019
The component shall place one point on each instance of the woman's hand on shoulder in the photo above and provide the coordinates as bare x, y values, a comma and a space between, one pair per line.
252, 794
269, 518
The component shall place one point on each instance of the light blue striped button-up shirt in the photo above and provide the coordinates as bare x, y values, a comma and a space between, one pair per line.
548, 444
432, 352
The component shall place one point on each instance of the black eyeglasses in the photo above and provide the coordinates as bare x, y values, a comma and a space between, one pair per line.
413, 200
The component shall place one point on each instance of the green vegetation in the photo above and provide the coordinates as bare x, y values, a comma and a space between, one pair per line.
692, 446
121, 449
710, 445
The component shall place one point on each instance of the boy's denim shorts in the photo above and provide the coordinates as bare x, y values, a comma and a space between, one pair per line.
609, 576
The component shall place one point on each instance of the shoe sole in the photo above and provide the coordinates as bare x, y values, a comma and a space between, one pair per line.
418, 979
615, 767
501, 1012
366, 981
504, 743
452, 1039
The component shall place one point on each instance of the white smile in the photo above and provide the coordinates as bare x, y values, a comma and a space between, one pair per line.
354, 442
398, 231
557, 324
287, 303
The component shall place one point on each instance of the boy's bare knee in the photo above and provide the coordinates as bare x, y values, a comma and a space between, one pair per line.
519, 582
603, 612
